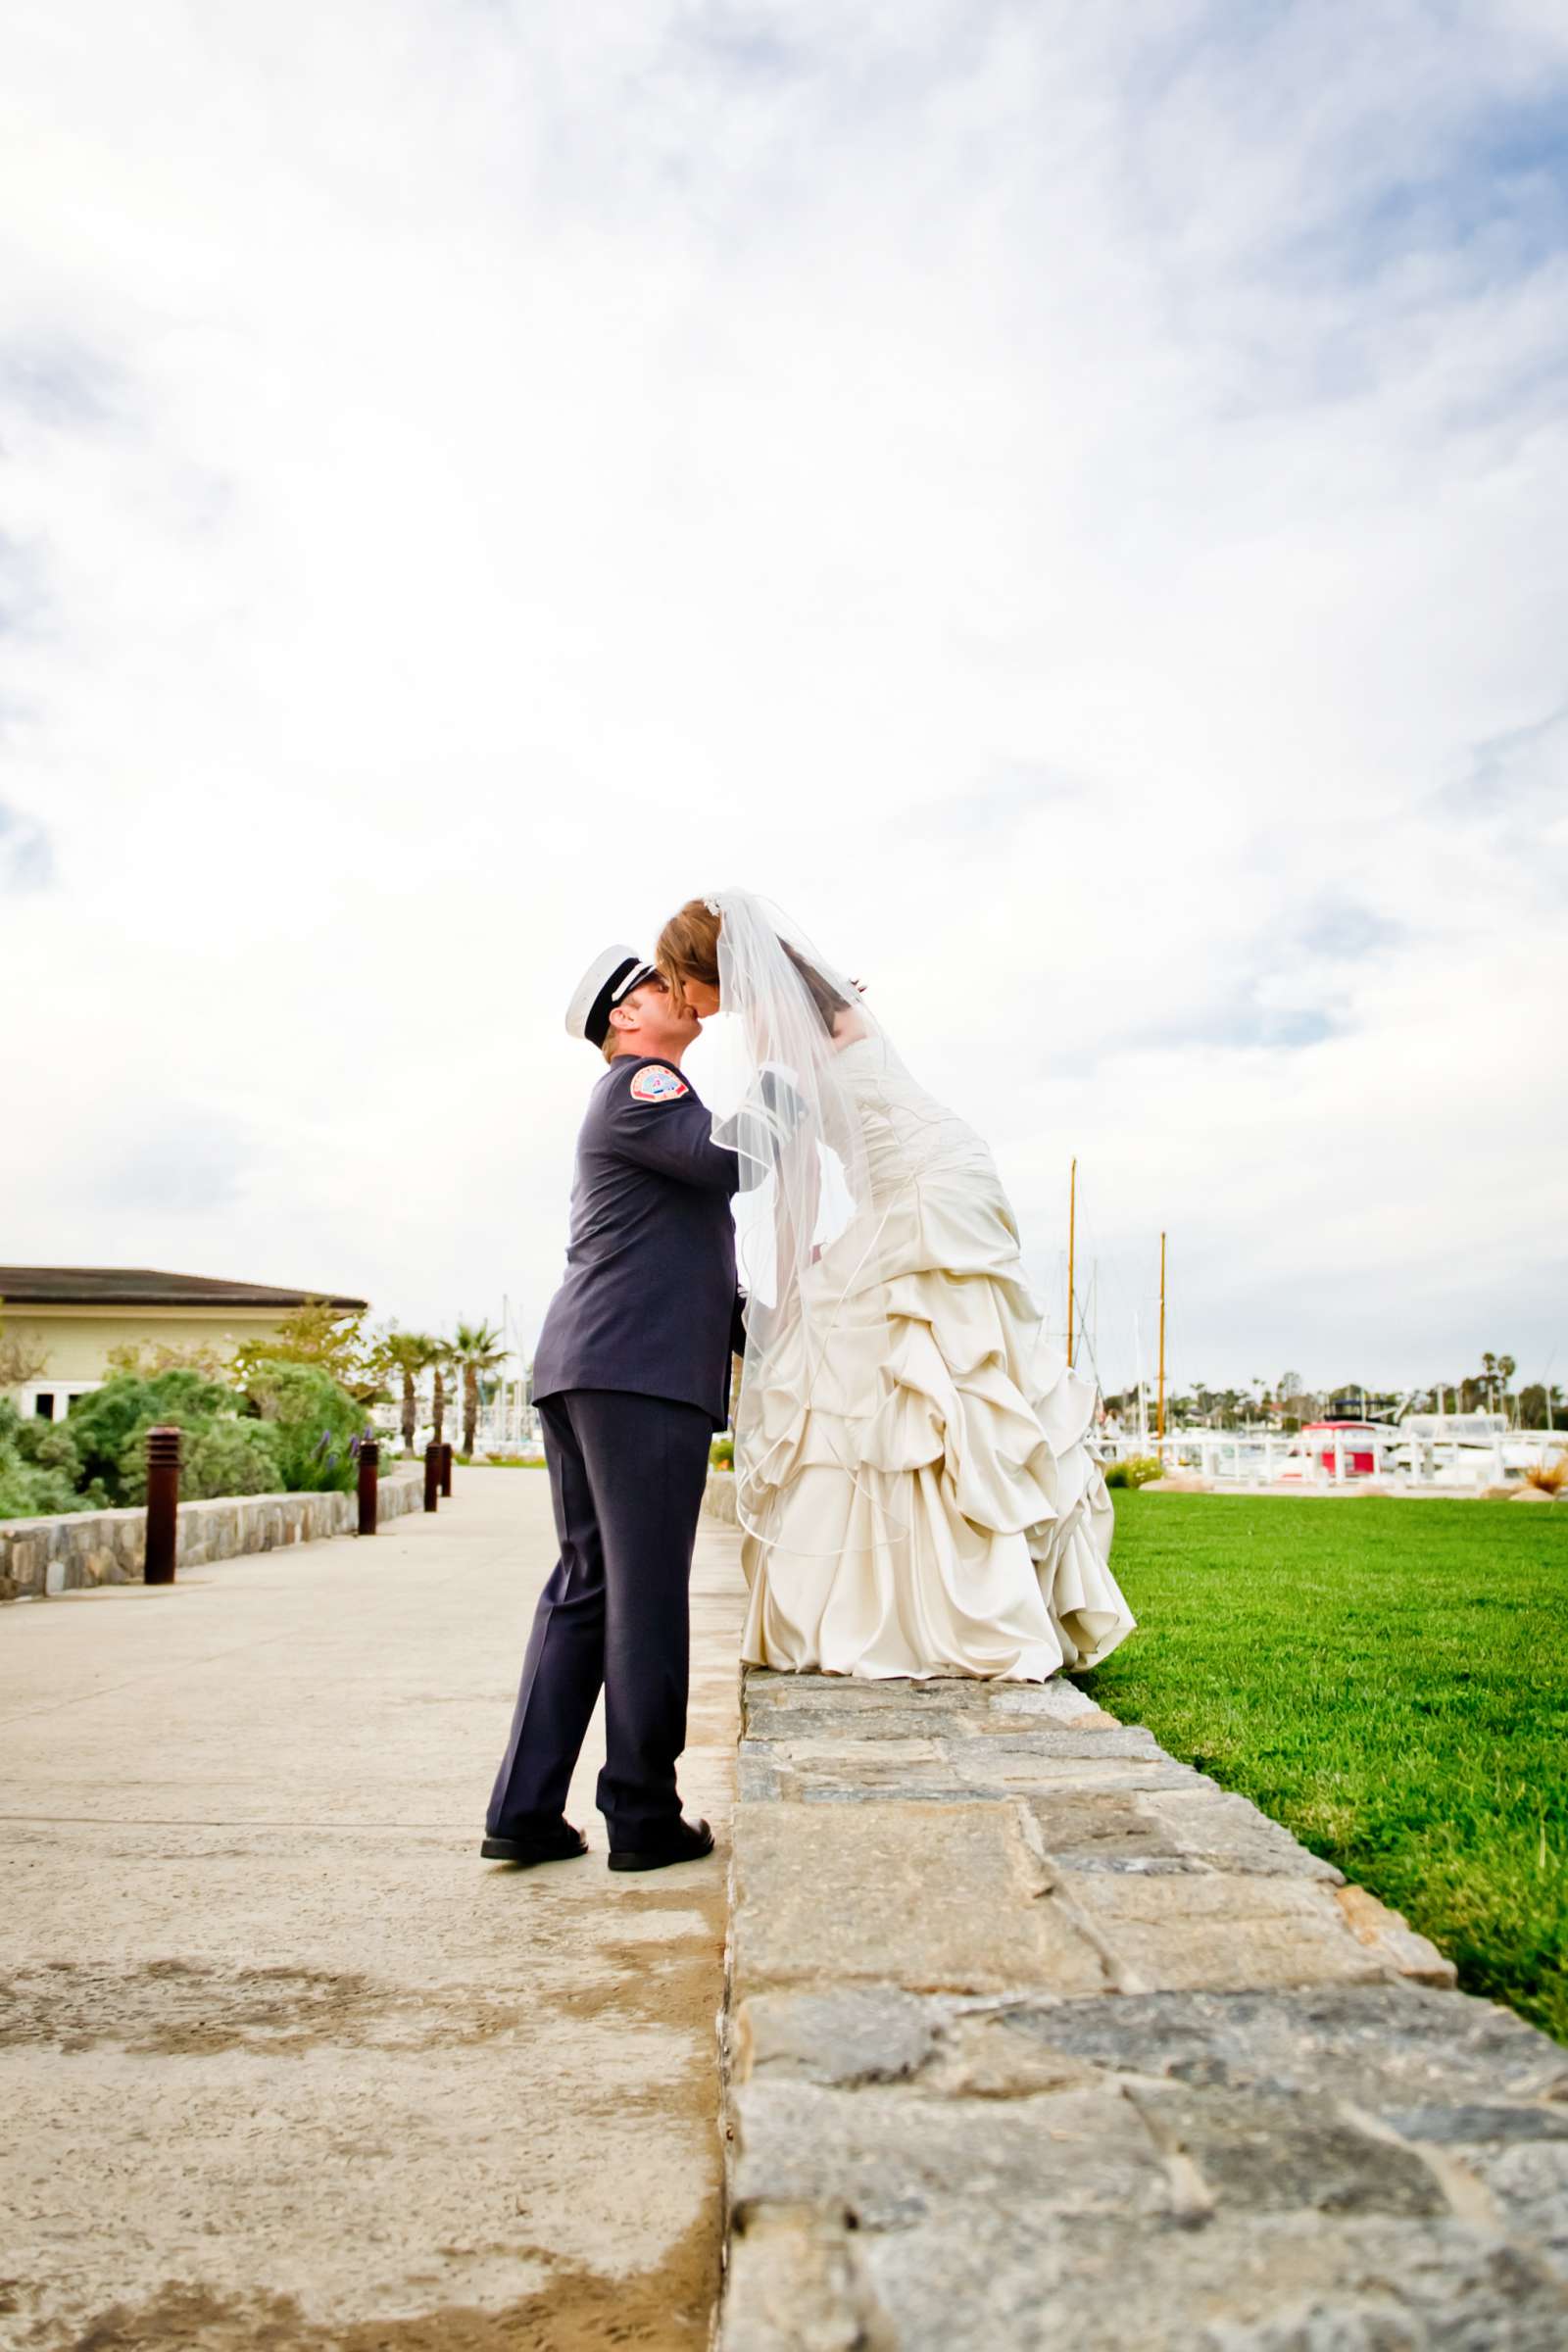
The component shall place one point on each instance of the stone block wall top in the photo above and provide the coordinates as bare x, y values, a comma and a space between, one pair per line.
1037, 2038
69, 1551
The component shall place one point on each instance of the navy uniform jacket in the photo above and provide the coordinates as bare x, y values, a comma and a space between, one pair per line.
649, 1299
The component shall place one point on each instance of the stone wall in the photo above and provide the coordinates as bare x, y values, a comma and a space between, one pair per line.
718, 1497
1036, 2038
39, 1557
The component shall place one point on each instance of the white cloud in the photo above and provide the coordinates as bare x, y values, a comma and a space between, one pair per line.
1071, 502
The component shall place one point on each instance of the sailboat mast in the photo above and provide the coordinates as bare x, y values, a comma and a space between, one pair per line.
1159, 1425
1072, 1239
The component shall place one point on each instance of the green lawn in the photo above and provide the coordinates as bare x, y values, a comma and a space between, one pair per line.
1388, 1679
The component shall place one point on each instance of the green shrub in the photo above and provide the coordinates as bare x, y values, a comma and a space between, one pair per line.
317, 1425
227, 1457
1136, 1471
47, 1444
107, 1426
233, 1457
296, 1432
55, 1449
27, 1493
39, 1468
721, 1454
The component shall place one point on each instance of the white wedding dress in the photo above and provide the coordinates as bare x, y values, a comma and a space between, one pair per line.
916, 1490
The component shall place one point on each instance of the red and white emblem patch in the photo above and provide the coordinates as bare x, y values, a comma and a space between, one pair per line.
654, 1084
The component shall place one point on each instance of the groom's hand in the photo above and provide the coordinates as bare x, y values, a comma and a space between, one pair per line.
782, 1101
766, 1125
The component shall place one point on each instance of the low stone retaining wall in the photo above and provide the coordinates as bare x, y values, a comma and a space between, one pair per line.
719, 1498
1037, 2038
39, 1557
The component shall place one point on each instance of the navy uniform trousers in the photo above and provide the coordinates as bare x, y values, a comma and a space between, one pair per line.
626, 1477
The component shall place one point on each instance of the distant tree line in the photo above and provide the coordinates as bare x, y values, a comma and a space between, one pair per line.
1287, 1403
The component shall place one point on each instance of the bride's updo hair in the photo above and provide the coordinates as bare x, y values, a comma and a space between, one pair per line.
688, 949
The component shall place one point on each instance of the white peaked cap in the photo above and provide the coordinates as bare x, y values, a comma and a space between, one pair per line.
608, 978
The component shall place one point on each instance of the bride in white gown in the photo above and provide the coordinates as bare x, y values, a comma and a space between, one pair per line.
914, 1486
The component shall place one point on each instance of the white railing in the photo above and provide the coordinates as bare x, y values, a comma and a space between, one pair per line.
1238, 1458
508, 1428
1259, 1458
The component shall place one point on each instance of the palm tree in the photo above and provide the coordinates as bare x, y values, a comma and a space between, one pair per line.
409, 1353
478, 1348
441, 1355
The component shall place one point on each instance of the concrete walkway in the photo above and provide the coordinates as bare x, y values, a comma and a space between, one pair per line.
283, 2063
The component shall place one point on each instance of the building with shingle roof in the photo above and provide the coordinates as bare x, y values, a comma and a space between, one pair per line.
66, 1319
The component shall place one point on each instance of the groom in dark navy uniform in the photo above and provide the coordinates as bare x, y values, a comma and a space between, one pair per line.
631, 1378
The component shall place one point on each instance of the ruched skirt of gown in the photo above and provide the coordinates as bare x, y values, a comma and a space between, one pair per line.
921, 1499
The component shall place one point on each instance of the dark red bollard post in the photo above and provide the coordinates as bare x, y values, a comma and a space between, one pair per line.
446, 1467
370, 1471
432, 1475
163, 1507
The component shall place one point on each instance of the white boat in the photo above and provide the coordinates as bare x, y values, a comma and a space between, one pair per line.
1458, 1453
1473, 1450
1339, 1450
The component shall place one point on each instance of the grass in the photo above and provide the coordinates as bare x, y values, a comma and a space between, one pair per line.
1388, 1679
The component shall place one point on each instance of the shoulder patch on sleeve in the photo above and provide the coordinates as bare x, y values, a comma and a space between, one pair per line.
655, 1084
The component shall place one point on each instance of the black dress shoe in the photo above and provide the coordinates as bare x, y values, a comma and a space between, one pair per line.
559, 1842
687, 1841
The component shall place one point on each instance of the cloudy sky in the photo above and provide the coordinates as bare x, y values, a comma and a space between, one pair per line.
1073, 502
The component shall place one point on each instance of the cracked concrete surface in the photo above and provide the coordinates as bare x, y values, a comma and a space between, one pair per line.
283, 2062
